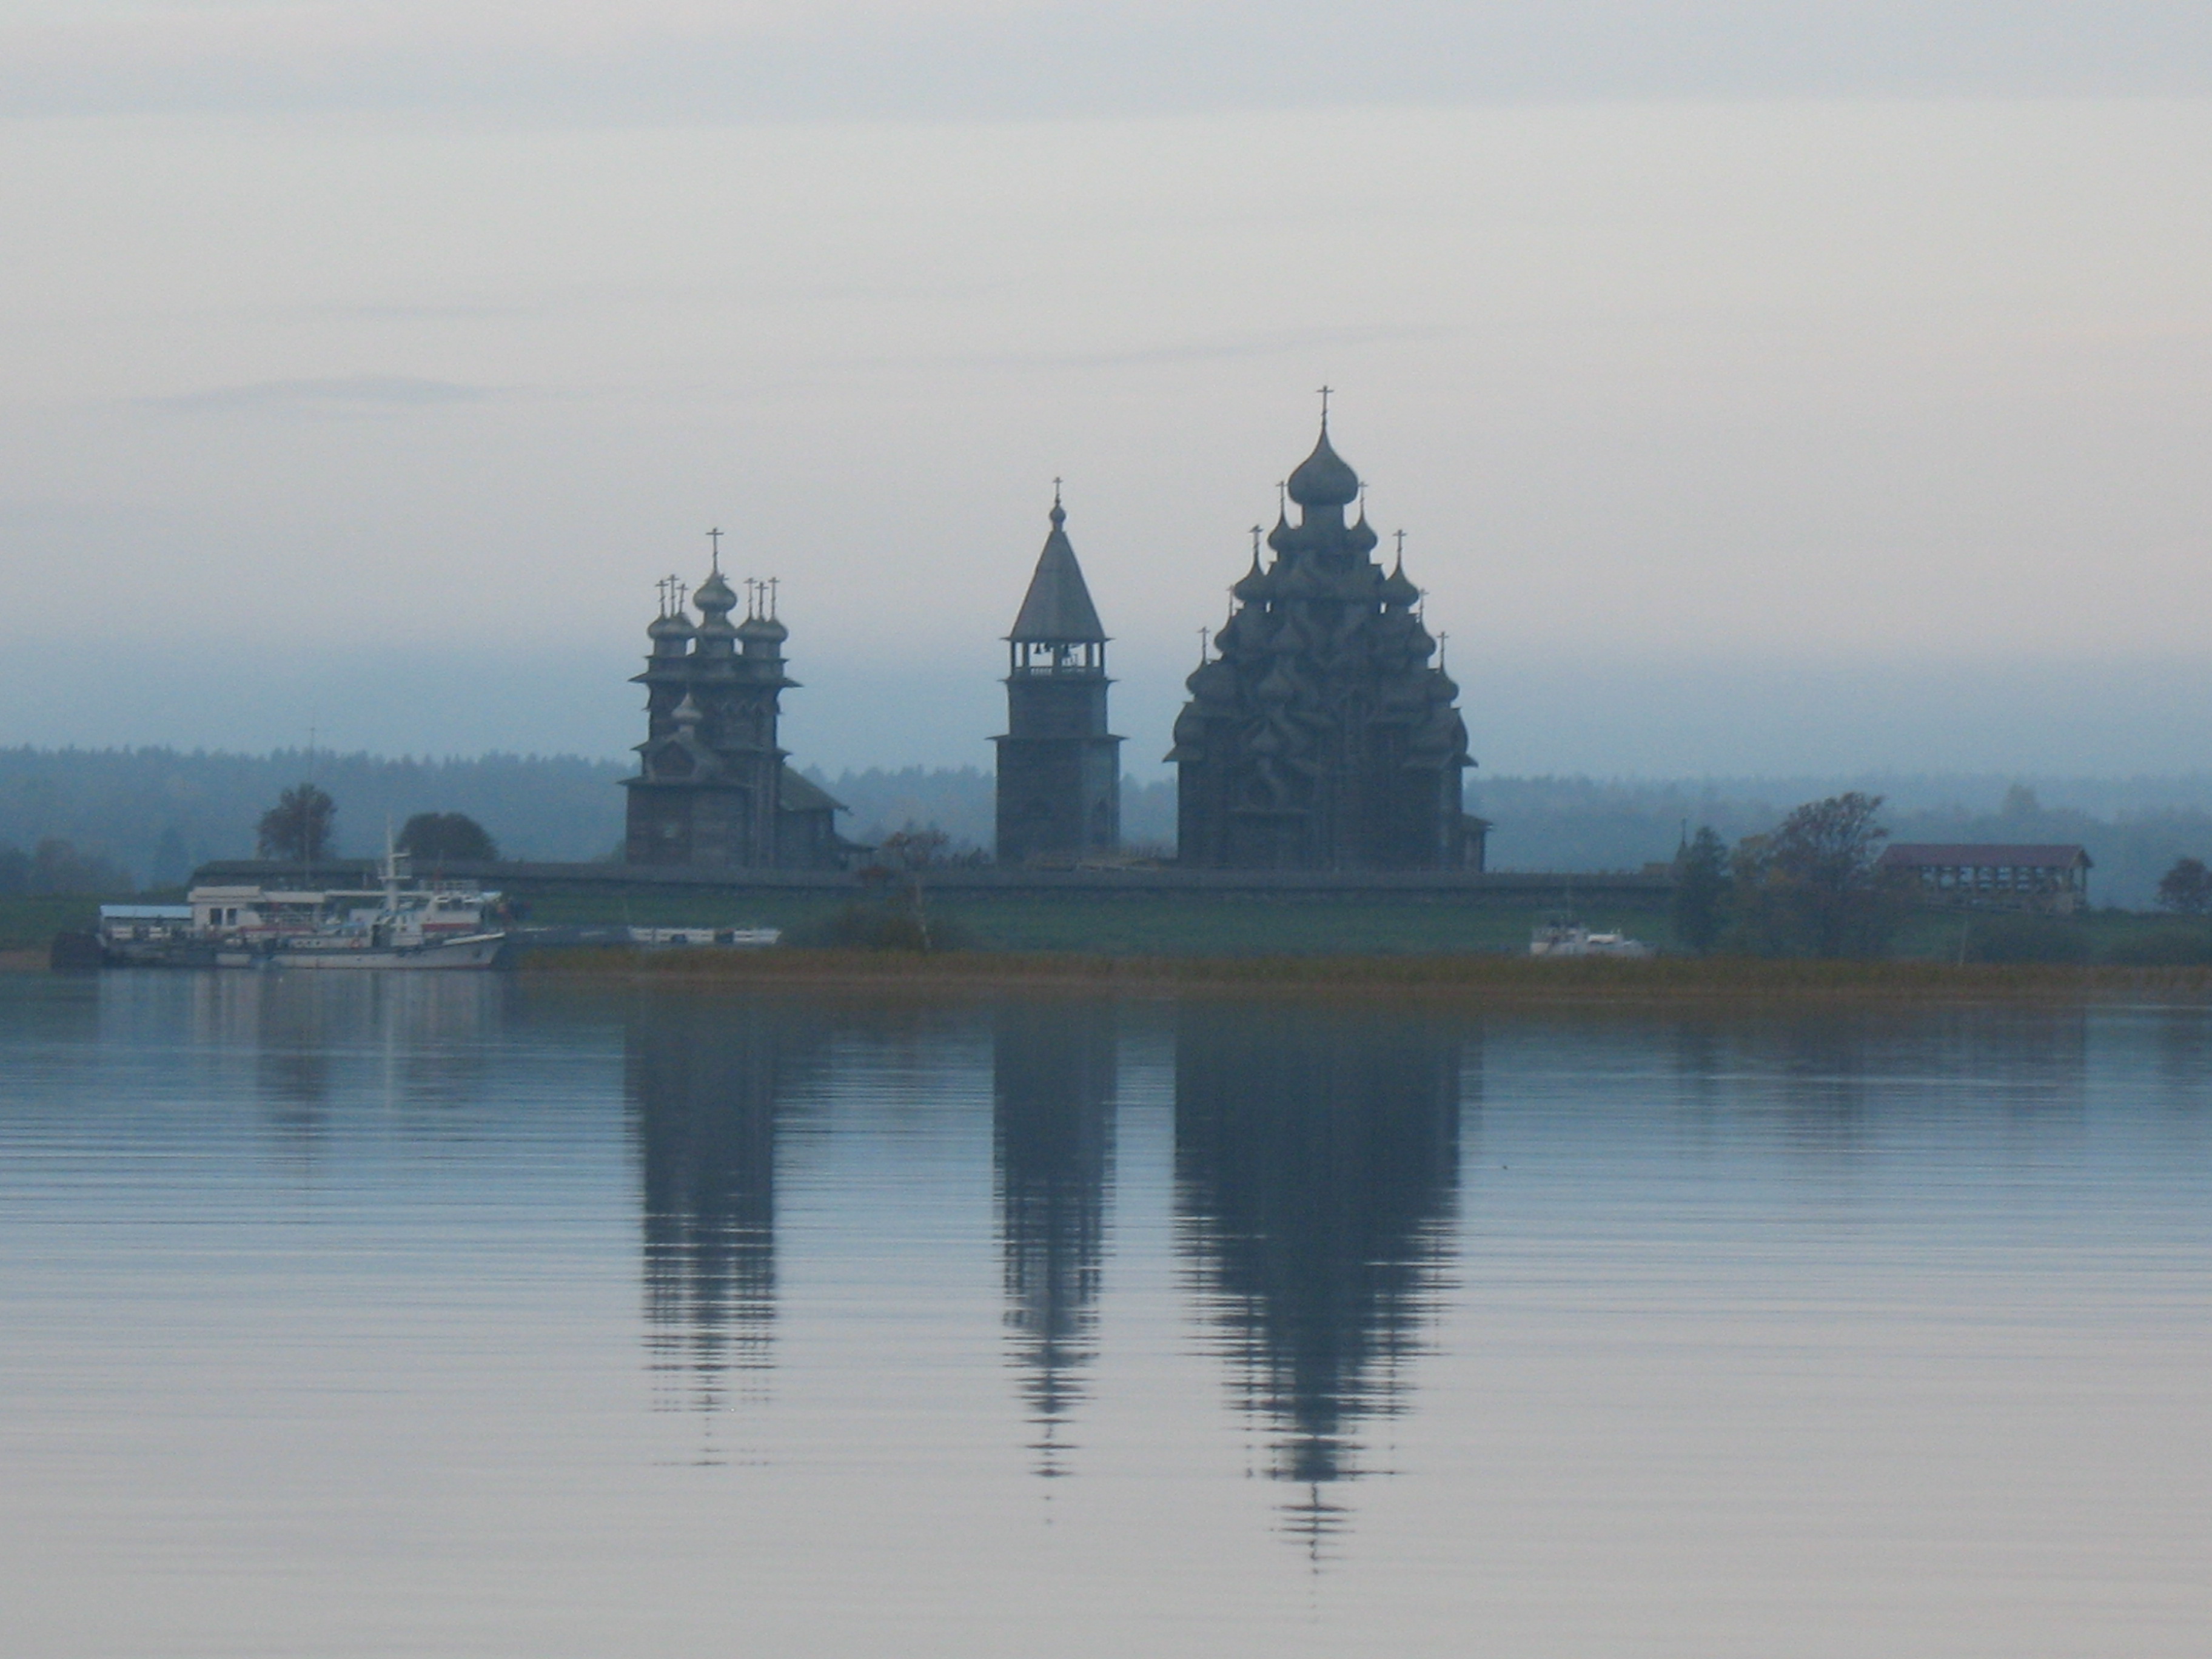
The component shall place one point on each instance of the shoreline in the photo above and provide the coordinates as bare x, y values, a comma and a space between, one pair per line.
1705, 981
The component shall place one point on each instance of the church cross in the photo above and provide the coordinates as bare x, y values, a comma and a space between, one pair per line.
771, 585
1401, 547
1055, 492
1325, 391
716, 536
1205, 638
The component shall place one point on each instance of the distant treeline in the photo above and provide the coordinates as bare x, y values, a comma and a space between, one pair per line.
156, 813
2134, 828
963, 802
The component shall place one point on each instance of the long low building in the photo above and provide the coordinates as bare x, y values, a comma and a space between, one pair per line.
1995, 875
1650, 885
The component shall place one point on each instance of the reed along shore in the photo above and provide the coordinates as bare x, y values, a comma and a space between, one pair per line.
1489, 978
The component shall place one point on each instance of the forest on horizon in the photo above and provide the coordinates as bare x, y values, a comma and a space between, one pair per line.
154, 814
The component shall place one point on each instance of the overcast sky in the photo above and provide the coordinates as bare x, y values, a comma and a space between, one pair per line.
1761, 387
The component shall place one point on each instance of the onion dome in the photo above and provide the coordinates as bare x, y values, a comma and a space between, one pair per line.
669, 633
1360, 539
715, 596
686, 715
1253, 585
1398, 589
1214, 681
1276, 687
1323, 479
715, 602
763, 631
1189, 737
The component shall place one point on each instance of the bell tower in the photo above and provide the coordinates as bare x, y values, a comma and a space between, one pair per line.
1060, 769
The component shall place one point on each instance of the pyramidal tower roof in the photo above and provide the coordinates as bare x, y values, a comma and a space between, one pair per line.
1057, 610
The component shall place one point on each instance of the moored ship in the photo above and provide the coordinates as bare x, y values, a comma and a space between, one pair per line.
402, 924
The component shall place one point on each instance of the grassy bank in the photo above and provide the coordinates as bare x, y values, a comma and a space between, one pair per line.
1501, 978
30, 924
1182, 924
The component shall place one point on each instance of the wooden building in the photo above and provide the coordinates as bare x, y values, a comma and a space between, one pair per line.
1994, 875
1060, 768
1322, 733
713, 789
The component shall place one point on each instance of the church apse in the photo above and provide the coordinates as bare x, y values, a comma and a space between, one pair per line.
1319, 735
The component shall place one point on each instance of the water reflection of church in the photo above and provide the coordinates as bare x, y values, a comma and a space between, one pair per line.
1317, 1168
708, 1085
1316, 1181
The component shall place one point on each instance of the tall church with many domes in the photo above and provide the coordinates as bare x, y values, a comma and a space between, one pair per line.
1320, 734
713, 787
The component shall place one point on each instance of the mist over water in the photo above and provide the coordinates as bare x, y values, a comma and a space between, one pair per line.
454, 1314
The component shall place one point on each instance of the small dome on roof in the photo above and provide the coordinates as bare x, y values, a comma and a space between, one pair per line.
1360, 539
715, 595
1323, 479
1254, 585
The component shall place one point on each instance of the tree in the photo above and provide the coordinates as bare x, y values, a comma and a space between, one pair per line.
449, 838
2186, 890
913, 848
1811, 887
299, 826
1701, 890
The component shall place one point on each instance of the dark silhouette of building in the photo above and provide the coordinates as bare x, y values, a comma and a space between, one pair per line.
1052, 1145
1060, 769
1320, 736
713, 787
1317, 1174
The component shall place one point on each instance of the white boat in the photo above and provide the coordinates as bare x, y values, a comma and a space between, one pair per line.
1558, 939
402, 924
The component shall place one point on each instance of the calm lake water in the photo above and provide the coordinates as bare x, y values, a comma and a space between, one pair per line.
454, 1314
